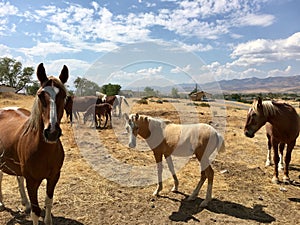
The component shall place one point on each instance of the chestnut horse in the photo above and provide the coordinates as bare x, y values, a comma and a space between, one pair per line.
114, 100
283, 128
166, 139
29, 142
99, 110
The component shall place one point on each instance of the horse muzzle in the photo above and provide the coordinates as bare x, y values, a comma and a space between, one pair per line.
249, 134
52, 135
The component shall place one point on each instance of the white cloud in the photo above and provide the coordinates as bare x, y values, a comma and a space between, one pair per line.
185, 69
263, 51
150, 71
262, 20
6, 9
44, 49
288, 71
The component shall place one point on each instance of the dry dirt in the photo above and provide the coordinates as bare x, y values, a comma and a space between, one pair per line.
91, 191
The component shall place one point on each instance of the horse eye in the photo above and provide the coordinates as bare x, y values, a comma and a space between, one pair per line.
42, 99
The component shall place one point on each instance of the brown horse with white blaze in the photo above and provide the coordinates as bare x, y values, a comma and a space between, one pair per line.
283, 128
29, 141
167, 139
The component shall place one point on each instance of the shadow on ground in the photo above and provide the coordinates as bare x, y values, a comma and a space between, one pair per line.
188, 209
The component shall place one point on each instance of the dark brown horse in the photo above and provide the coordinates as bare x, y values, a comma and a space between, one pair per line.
283, 128
98, 110
76, 104
68, 107
30, 144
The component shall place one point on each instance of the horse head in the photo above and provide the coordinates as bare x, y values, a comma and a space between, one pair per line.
255, 118
51, 95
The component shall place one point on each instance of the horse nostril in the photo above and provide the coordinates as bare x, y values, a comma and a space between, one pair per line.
52, 135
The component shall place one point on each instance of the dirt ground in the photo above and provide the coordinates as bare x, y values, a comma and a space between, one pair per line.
105, 182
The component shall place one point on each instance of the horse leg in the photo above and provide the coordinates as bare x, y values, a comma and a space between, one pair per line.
158, 159
2, 207
287, 160
24, 198
172, 170
275, 179
195, 193
269, 161
281, 148
106, 118
51, 183
32, 188
209, 172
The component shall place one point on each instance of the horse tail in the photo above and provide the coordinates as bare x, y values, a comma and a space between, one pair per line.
221, 143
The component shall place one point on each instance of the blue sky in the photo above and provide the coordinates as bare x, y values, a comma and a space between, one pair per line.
228, 38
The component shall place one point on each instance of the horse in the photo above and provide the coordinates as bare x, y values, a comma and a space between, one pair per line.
80, 104
167, 139
95, 110
29, 141
114, 100
283, 128
68, 107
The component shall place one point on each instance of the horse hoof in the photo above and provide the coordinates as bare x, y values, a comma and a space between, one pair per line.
268, 163
286, 180
2, 207
174, 189
191, 198
203, 204
275, 180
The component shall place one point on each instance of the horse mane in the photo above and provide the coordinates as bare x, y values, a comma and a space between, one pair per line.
33, 122
155, 122
270, 108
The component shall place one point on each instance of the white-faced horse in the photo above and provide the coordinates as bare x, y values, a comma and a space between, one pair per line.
29, 142
166, 139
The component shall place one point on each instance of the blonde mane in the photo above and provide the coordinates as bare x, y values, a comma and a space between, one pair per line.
269, 109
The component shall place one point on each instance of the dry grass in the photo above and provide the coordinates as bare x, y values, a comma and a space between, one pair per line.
243, 192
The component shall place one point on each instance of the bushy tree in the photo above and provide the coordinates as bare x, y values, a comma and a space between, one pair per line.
12, 74
85, 87
111, 89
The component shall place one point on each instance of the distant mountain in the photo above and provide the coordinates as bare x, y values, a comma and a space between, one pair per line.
289, 84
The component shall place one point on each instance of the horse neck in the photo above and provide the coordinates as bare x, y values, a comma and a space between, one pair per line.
155, 133
284, 116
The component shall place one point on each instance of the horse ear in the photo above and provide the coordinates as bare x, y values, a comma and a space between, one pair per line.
41, 73
64, 74
259, 102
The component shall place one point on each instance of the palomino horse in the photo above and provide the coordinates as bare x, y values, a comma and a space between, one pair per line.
30, 144
99, 110
114, 100
283, 129
166, 139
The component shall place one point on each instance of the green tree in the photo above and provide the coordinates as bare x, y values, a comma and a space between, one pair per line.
174, 93
150, 91
111, 89
85, 87
33, 88
12, 74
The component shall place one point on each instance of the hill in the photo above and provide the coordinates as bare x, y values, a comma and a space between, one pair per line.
281, 84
